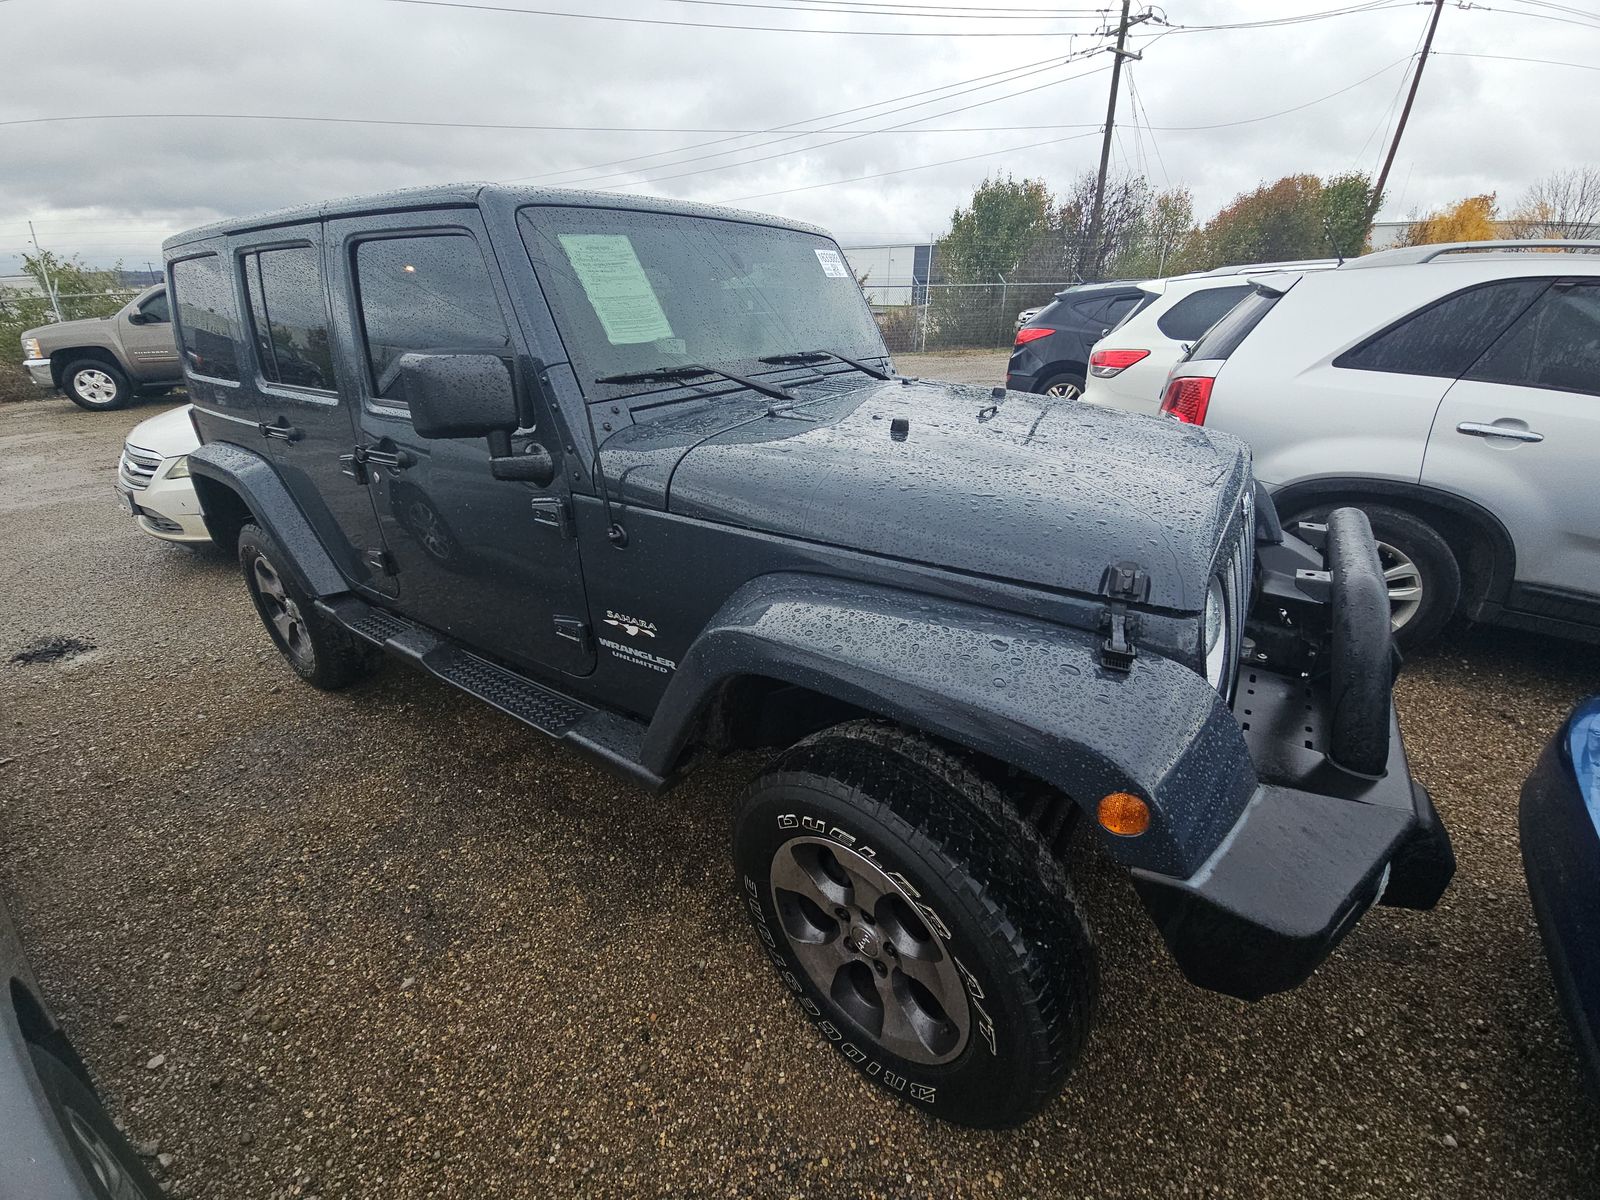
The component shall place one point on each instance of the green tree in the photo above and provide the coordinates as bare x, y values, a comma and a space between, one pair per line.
1158, 241
1346, 201
1001, 228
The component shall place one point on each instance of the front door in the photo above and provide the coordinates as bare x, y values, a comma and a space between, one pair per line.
1519, 432
304, 401
493, 563
152, 352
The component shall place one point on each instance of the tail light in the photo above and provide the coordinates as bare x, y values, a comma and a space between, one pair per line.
1103, 364
1032, 334
1187, 398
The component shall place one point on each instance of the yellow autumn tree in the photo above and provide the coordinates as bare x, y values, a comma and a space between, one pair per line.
1471, 219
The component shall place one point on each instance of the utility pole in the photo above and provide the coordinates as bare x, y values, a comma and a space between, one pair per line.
1097, 211
1394, 145
49, 286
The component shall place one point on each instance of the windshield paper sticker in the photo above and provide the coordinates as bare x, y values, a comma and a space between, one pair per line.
615, 282
833, 265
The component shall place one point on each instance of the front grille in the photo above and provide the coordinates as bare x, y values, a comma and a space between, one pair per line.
137, 467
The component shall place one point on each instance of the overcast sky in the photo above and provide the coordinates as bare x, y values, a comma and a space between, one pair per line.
113, 188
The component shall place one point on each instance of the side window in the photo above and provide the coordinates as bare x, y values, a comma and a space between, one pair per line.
1118, 310
289, 316
1556, 344
206, 317
1190, 317
1444, 338
156, 310
430, 294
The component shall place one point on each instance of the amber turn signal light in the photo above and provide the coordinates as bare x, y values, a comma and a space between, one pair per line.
1124, 814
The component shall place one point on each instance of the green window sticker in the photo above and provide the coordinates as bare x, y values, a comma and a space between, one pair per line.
617, 287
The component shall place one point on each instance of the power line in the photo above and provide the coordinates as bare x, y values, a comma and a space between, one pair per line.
1011, 74
903, 170
548, 12
1548, 62
850, 137
1298, 19
1080, 15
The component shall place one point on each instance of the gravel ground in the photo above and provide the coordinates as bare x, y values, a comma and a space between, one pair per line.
390, 943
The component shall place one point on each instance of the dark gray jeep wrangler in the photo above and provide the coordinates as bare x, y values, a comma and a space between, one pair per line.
640, 475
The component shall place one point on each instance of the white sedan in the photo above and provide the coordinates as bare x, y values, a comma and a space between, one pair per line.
153, 478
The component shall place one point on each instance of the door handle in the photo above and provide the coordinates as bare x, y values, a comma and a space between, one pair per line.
1479, 429
280, 430
395, 460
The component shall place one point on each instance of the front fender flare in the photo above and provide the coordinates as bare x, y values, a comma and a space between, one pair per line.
1027, 693
256, 484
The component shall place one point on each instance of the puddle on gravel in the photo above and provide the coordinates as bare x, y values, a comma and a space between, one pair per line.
52, 649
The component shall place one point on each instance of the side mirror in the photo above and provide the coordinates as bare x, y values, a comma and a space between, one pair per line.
458, 395
470, 395
138, 318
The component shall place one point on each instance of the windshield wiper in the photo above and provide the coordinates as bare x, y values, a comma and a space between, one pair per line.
669, 374
811, 356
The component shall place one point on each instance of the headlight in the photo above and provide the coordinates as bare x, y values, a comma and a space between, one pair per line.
1216, 635
179, 469
31, 348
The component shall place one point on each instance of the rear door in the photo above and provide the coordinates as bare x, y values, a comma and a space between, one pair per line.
492, 562
303, 404
1519, 433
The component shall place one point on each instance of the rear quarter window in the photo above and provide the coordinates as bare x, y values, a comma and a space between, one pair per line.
1189, 318
1223, 338
208, 320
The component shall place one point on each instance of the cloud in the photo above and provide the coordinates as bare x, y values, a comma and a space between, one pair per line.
113, 188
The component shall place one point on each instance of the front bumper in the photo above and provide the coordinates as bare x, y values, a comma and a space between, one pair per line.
168, 508
1335, 823
1561, 859
39, 371
1314, 849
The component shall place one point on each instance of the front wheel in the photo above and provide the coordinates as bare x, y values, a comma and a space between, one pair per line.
919, 922
96, 386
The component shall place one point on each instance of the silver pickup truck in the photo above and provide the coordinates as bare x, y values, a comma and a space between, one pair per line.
103, 362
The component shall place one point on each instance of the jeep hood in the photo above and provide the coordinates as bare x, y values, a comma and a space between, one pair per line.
1019, 487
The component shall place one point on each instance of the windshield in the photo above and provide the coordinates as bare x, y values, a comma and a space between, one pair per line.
638, 291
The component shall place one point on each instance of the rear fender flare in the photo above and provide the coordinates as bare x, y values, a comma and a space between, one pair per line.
1026, 693
253, 481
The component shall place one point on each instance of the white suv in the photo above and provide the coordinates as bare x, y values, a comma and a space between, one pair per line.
1128, 366
1453, 393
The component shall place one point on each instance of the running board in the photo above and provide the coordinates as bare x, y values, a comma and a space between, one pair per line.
612, 739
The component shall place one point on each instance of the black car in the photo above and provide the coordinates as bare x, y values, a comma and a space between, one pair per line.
1559, 821
639, 474
1051, 353
56, 1141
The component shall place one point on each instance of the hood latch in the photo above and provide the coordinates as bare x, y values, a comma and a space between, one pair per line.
1123, 583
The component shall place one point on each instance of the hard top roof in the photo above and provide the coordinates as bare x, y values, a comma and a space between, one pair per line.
464, 194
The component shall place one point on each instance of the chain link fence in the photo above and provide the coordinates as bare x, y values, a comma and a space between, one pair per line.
919, 317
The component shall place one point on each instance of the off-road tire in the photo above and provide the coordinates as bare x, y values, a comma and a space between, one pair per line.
1020, 945
321, 652
93, 384
1422, 545
1064, 380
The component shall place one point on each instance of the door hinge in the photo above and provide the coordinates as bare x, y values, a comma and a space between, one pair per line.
354, 464
381, 561
1123, 583
553, 511
576, 631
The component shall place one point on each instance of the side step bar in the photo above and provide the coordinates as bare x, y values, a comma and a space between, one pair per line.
608, 737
